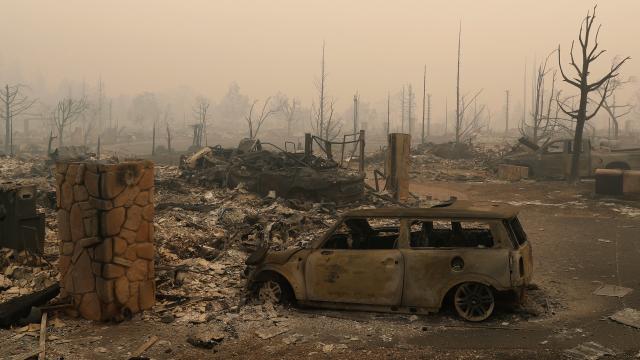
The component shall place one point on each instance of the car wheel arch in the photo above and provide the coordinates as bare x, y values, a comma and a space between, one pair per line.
451, 288
270, 273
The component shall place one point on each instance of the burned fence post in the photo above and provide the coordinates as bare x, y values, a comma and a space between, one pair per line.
105, 227
308, 145
327, 149
396, 166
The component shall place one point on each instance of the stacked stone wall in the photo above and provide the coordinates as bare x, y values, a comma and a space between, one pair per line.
105, 228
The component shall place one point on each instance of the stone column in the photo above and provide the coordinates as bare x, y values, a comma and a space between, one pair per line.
105, 227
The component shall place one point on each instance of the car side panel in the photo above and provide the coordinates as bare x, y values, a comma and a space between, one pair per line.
372, 277
429, 272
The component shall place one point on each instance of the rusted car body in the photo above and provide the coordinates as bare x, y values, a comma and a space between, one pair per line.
553, 159
405, 260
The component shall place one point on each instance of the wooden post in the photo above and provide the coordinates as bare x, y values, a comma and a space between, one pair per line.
397, 165
308, 145
98, 149
361, 152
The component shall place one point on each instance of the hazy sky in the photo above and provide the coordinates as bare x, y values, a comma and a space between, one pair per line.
268, 46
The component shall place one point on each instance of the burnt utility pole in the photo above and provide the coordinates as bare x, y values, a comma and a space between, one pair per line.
110, 113
458, 115
153, 140
402, 107
355, 112
321, 105
524, 95
388, 113
506, 112
428, 114
424, 95
410, 108
446, 114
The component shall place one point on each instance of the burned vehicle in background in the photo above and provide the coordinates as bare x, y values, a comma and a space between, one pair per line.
553, 158
288, 174
409, 260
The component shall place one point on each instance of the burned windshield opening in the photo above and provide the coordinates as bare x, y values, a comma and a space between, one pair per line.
365, 233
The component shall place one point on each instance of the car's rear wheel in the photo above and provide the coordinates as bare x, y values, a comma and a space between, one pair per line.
275, 291
474, 301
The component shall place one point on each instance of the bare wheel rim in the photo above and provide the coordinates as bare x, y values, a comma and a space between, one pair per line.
474, 301
270, 291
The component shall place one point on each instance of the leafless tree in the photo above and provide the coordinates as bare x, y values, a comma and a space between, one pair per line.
590, 53
202, 115
15, 103
610, 104
289, 108
464, 129
541, 124
467, 128
255, 121
87, 129
168, 137
66, 113
323, 122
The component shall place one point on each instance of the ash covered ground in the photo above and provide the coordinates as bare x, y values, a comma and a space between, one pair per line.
203, 235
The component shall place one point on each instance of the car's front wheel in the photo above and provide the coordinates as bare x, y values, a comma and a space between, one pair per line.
274, 291
474, 301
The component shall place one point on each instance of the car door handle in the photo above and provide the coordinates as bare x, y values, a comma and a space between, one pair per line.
326, 252
388, 261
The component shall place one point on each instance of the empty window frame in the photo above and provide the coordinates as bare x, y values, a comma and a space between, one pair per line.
375, 233
435, 233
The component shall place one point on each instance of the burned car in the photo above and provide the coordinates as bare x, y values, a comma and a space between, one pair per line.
553, 159
409, 260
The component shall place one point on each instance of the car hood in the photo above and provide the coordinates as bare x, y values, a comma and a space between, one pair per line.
280, 257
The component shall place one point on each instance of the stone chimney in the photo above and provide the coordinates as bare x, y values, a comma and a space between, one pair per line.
105, 227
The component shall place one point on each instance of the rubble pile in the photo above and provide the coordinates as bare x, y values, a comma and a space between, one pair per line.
290, 175
32, 171
22, 273
448, 162
204, 239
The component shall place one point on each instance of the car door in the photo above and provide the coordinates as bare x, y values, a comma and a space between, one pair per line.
584, 162
551, 161
433, 264
358, 275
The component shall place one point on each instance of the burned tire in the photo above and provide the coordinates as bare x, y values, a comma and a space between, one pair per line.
275, 290
618, 165
474, 301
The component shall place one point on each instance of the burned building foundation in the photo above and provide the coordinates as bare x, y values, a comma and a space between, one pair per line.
105, 228
294, 175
